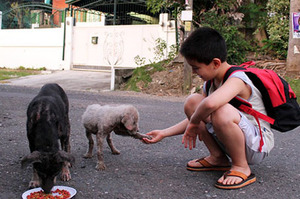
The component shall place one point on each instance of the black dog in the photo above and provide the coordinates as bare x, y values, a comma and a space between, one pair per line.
47, 124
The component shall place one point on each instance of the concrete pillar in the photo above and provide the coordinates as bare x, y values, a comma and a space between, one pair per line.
0, 19
68, 58
112, 78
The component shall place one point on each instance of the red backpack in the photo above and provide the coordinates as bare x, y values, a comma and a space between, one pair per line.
283, 112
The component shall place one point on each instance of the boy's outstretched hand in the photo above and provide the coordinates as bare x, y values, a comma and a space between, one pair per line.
156, 135
190, 136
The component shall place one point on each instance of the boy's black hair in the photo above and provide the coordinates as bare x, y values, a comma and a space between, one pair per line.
203, 45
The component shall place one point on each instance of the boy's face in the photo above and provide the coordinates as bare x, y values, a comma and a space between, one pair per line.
205, 72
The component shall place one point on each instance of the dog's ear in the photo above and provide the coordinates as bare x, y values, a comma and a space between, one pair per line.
62, 156
33, 157
127, 121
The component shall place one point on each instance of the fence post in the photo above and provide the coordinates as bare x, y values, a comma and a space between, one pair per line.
112, 78
0, 19
68, 54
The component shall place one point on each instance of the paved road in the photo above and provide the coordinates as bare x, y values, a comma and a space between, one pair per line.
69, 80
140, 171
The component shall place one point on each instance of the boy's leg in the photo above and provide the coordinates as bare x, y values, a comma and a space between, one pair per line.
217, 156
225, 121
226, 126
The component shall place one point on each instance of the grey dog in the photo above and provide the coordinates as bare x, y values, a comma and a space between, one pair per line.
102, 120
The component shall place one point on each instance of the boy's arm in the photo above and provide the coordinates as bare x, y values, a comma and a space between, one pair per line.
231, 88
158, 135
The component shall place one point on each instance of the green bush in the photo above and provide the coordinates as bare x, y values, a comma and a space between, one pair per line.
237, 45
143, 75
295, 85
277, 28
255, 15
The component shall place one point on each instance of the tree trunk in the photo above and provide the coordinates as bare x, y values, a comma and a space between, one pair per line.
187, 72
293, 57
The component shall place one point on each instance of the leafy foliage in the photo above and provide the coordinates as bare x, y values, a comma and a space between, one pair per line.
220, 15
278, 28
255, 14
14, 15
155, 6
295, 85
143, 75
237, 45
230, 16
160, 51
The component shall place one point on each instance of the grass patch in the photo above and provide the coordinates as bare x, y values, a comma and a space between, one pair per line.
142, 75
295, 85
19, 72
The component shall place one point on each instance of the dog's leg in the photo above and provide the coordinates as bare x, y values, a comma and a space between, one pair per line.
64, 132
89, 152
110, 144
68, 147
35, 180
100, 163
65, 145
65, 173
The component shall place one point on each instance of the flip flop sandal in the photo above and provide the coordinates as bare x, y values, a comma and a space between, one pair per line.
206, 166
246, 180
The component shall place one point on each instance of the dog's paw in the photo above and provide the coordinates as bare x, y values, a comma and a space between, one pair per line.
65, 174
100, 166
115, 152
141, 136
34, 184
148, 137
87, 155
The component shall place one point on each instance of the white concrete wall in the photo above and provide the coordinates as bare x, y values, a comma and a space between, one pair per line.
117, 45
31, 48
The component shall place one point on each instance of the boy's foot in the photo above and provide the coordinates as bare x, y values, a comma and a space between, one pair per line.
203, 165
244, 180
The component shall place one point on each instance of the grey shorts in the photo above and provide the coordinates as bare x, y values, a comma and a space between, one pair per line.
252, 139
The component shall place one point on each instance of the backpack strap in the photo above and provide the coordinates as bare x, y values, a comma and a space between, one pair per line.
247, 64
246, 107
255, 114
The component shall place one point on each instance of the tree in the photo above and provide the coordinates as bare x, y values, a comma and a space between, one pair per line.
293, 57
155, 6
17, 14
14, 15
222, 15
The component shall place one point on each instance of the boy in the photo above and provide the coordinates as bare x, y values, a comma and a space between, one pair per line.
224, 130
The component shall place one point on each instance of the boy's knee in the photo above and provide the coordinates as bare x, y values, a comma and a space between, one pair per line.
223, 116
191, 103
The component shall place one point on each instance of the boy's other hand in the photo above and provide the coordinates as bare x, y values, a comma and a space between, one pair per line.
190, 136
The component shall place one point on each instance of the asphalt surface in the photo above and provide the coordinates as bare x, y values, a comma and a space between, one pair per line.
69, 80
141, 171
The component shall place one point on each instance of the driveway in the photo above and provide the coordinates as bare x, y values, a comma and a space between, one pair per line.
68, 79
